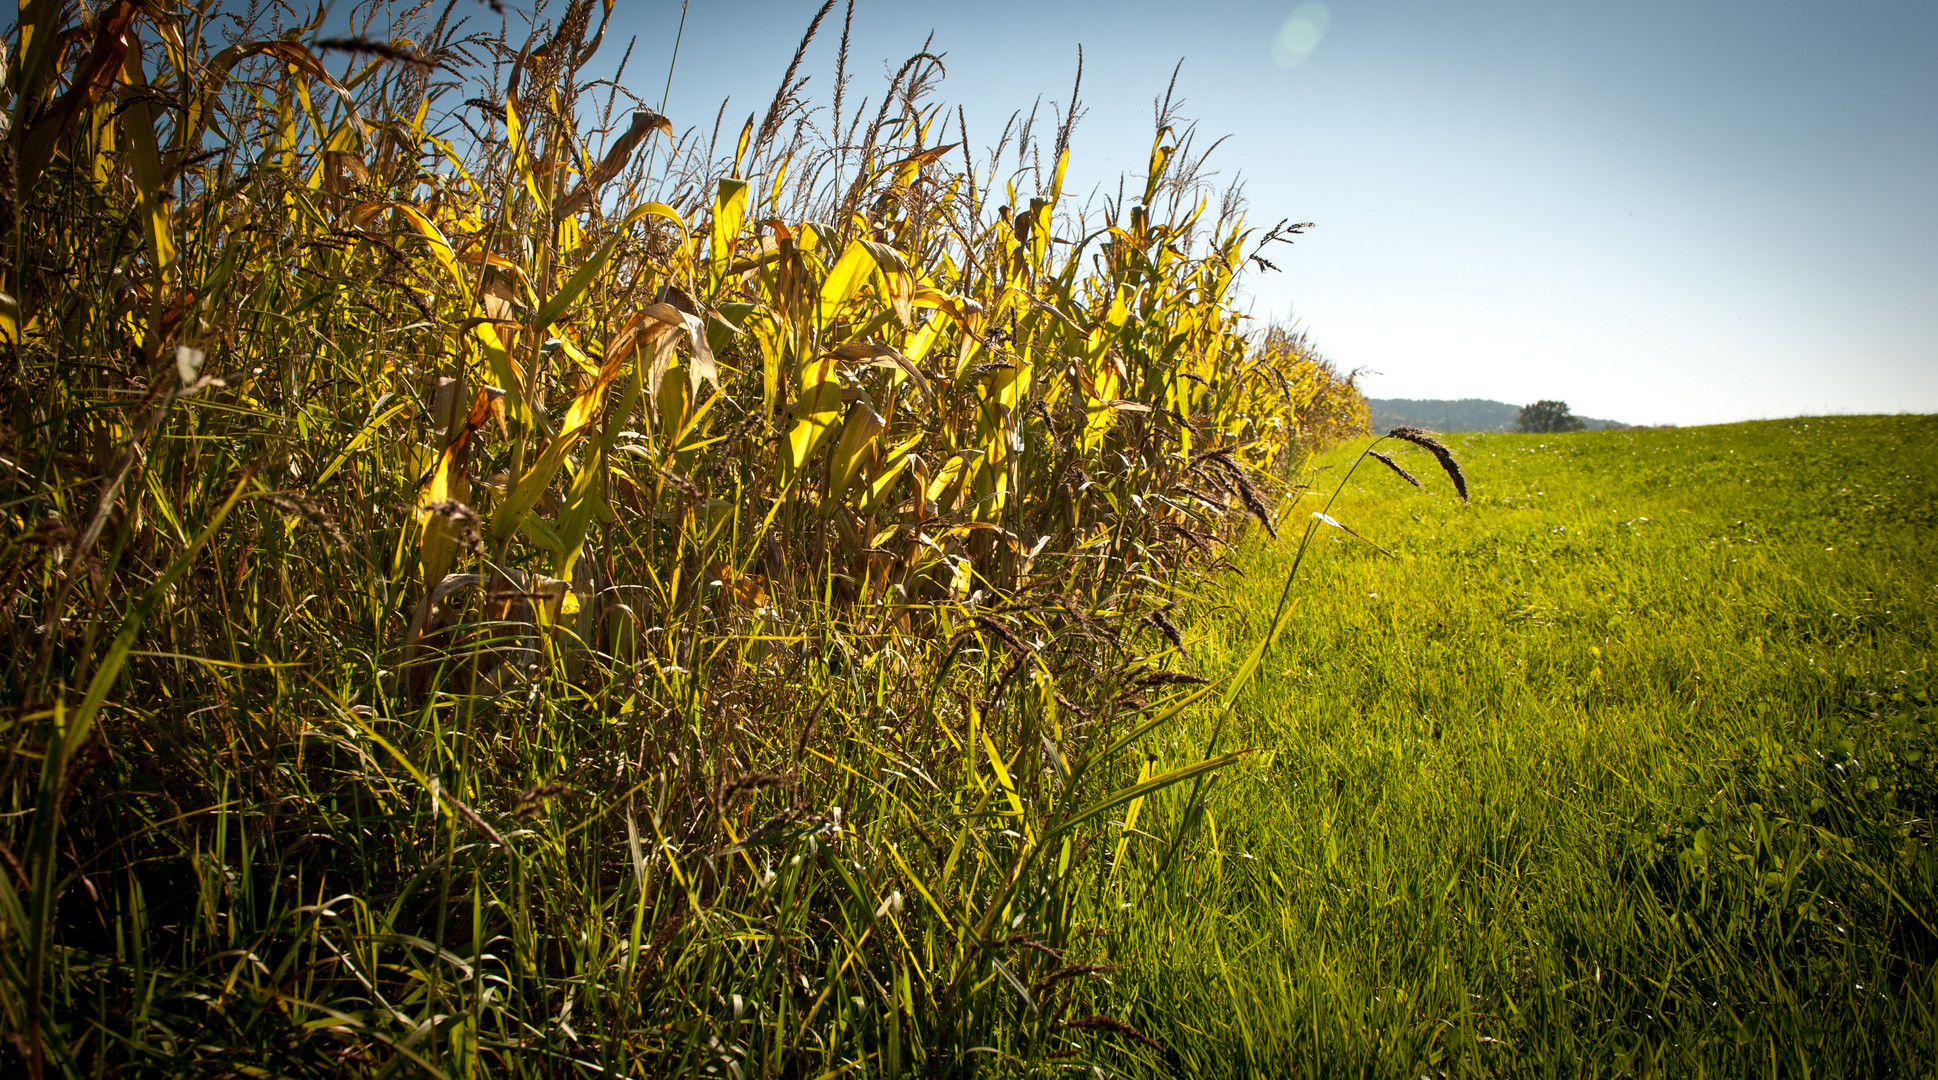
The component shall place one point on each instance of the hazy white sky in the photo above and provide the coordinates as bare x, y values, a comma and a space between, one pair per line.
1679, 211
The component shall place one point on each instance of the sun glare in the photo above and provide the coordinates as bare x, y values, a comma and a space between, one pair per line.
1300, 35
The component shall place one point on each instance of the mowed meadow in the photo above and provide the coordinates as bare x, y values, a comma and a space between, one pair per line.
1622, 768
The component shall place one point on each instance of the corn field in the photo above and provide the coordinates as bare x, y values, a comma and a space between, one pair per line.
499, 583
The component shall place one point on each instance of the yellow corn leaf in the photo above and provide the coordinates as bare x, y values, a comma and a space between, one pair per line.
653, 329
887, 258
524, 494
571, 237
897, 461
856, 263
672, 402
657, 209
1099, 411
1130, 815
40, 26
748, 590
520, 153
772, 337
817, 408
1009, 388
991, 488
441, 249
746, 136
900, 287
1039, 229
869, 354
1002, 774
962, 579
857, 437
949, 475
729, 213
583, 502
921, 341
138, 125
644, 123
439, 533
907, 169
483, 333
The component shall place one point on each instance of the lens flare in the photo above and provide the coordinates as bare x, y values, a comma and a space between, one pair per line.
1300, 35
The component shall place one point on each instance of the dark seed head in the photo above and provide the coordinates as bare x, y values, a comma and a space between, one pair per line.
1426, 441
1163, 625
1397, 468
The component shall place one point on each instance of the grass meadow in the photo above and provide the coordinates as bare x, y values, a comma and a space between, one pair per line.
1623, 768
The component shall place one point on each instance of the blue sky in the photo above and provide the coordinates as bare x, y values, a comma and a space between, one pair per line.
1683, 211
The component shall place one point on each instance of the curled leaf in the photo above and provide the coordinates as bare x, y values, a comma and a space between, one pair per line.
870, 354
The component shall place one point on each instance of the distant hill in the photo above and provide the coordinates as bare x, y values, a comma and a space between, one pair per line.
1466, 414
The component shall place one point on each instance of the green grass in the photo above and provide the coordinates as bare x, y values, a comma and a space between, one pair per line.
1622, 769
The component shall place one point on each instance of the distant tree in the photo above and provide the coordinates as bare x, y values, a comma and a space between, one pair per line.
1543, 417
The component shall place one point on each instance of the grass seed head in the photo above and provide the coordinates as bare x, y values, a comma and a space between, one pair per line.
748, 784
1069, 971
1113, 1025
531, 800
1249, 494
1425, 440
997, 630
1172, 678
1398, 469
306, 508
470, 525
1162, 623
